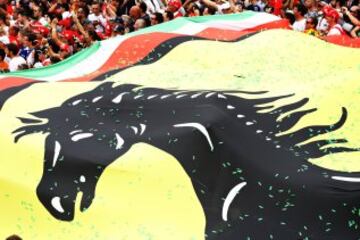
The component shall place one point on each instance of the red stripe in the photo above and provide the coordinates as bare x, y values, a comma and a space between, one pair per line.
129, 52
344, 40
228, 35
14, 82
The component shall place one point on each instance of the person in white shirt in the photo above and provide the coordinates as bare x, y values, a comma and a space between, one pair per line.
15, 61
300, 21
97, 18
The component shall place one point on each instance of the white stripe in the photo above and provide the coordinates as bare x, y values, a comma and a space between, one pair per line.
80, 136
152, 96
165, 96
209, 94
199, 127
221, 96
179, 92
181, 95
229, 198
196, 95
250, 22
97, 99
346, 179
119, 97
55, 202
56, 153
91, 63
76, 102
75, 131
231, 107
138, 96
120, 141
143, 127
135, 129
190, 28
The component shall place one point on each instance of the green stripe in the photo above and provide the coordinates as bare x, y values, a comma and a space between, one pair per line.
58, 67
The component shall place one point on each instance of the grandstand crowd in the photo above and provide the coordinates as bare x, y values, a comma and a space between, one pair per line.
38, 33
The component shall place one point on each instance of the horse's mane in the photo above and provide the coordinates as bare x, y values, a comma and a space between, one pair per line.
273, 123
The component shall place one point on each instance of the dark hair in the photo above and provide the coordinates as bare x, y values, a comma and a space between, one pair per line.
2, 54
37, 54
211, 10
290, 16
23, 66
53, 45
143, 7
269, 9
16, 28
119, 29
302, 9
314, 20
20, 11
159, 17
32, 38
64, 6
130, 28
54, 59
94, 36
169, 15
13, 48
3, 17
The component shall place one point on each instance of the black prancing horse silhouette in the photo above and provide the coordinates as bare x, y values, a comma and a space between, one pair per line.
252, 181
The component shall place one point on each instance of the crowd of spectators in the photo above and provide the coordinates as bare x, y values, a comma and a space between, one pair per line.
38, 33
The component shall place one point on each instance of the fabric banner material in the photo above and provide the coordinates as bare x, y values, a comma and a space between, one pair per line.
221, 127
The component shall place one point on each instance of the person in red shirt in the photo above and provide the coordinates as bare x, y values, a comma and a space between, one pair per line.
334, 28
176, 8
60, 41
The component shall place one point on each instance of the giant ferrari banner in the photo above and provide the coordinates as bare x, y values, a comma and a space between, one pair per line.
228, 127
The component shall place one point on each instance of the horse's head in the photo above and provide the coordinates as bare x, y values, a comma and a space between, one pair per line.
91, 130
77, 150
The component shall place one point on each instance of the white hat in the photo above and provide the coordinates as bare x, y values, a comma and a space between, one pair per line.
225, 6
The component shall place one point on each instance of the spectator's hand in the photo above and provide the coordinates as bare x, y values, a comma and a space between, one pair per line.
54, 22
74, 16
344, 10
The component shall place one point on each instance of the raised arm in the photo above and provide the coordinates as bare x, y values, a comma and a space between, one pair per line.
352, 18
54, 34
81, 28
210, 4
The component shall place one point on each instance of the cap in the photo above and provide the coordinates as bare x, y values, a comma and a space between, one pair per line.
225, 6
65, 23
175, 3
41, 29
326, 9
334, 14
